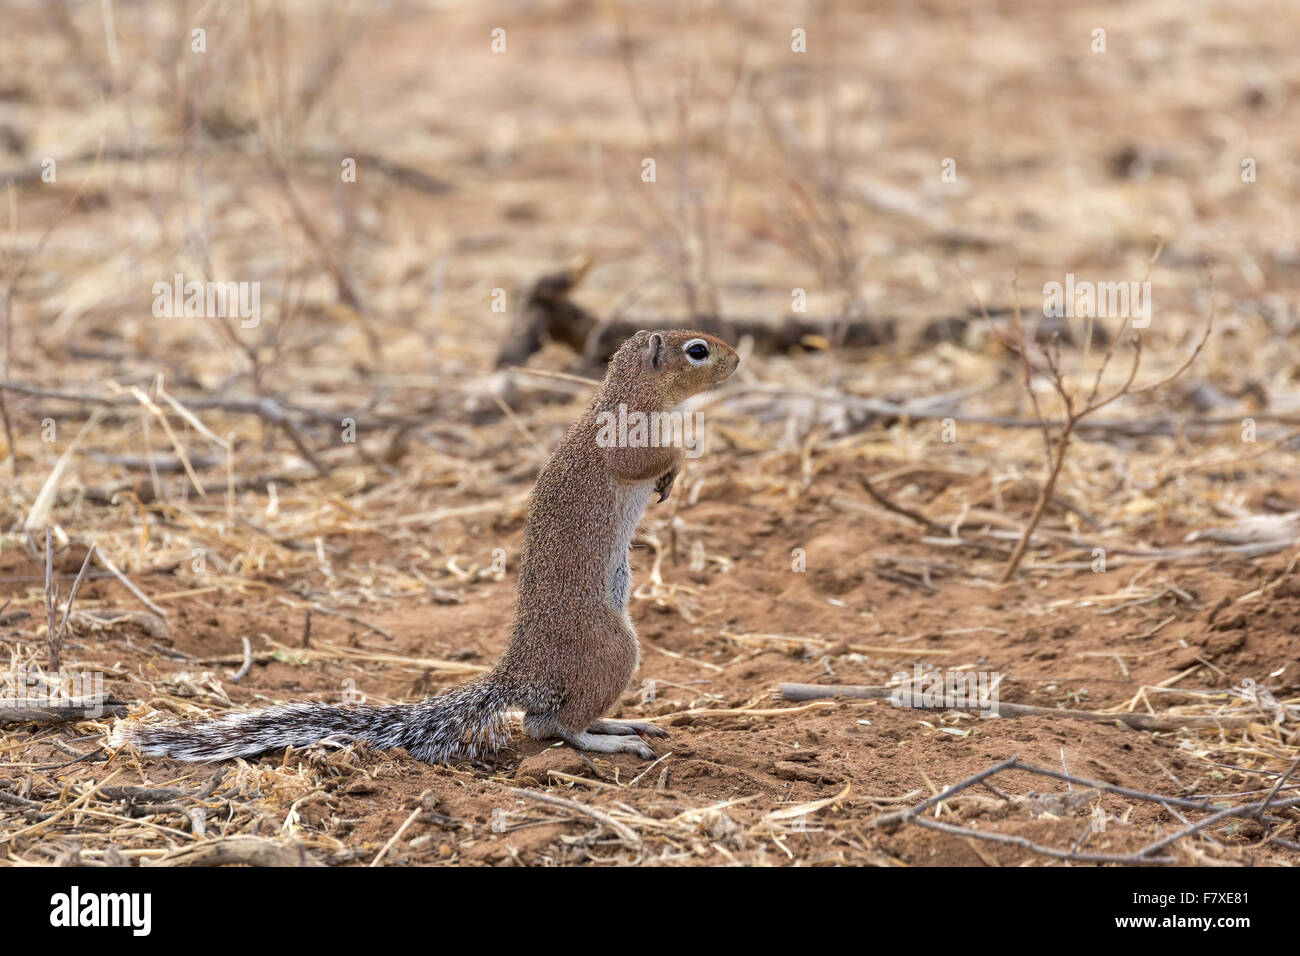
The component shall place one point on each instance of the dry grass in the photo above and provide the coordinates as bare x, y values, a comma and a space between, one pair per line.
211, 468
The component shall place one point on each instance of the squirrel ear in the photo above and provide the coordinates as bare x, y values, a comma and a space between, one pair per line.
655, 350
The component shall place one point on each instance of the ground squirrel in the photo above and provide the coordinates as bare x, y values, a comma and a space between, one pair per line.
573, 649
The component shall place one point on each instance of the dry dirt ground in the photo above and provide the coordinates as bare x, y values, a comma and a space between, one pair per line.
390, 575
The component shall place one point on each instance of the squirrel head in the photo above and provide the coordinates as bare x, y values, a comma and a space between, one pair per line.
672, 364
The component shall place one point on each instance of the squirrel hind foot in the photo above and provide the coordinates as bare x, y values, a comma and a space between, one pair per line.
626, 727
610, 744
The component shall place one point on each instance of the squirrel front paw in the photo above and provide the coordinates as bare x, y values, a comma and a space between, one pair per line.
665, 483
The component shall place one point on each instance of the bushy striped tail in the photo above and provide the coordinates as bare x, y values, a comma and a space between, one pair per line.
468, 722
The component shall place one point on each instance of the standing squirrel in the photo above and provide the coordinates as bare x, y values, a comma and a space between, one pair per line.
572, 649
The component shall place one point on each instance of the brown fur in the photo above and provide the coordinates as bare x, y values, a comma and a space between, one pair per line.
573, 649
569, 638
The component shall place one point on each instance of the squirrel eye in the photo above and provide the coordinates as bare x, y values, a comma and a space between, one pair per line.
698, 351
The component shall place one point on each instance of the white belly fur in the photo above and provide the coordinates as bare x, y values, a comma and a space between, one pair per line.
630, 501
